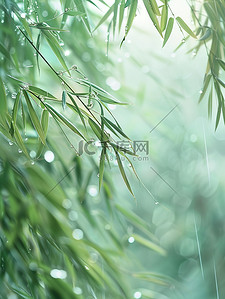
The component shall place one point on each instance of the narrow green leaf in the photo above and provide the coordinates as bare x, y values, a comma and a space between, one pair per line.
115, 127
122, 149
44, 124
34, 117
105, 17
101, 167
122, 171
206, 35
5, 52
152, 15
210, 104
98, 131
38, 43
41, 92
53, 43
25, 25
155, 7
3, 100
14, 114
164, 17
185, 27
80, 7
109, 100
75, 13
169, 29
20, 143
221, 63
205, 87
64, 99
121, 13
58, 115
149, 244
77, 109
132, 13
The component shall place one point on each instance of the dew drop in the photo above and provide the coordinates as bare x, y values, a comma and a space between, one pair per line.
20, 151
77, 291
56, 273
32, 162
156, 202
49, 156
78, 234
131, 240
10, 143
137, 295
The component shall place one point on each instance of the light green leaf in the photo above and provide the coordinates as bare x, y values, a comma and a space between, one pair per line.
44, 124
101, 167
77, 109
3, 100
149, 244
122, 171
64, 99
185, 27
41, 92
98, 131
152, 15
105, 17
169, 29
14, 113
164, 17
34, 117
205, 87
58, 115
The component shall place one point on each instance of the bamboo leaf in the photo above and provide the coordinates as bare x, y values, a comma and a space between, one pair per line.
107, 121
206, 35
205, 87
169, 29
41, 92
155, 7
164, 17
58, 115
3, 100
101, 167
44, 124
185, 27
14, 114
121, 13
77, 109
122, 171
64, 99
105, 17
98, 131
221, 63
34, 117
53, 43
152, 15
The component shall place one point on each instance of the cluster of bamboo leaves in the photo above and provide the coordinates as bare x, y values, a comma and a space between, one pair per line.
36, 233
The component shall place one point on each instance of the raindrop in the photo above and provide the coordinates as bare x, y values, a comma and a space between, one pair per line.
32, 154
137, 295
73, 215
183, 40
56, 273
131, 240
13, 95
10, 143
49, 156
92, 190
98, 175
78, 234
20, 151
77, 291
156, 202
67, 203
200, 91
32, 162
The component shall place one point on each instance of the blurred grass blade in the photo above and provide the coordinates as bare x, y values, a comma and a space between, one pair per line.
44, 124
169, 29
14, 113
64, 99
122, 171
34, 117
101, 167
205, 87
149, 244
185, 27
107, 121
3, 100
